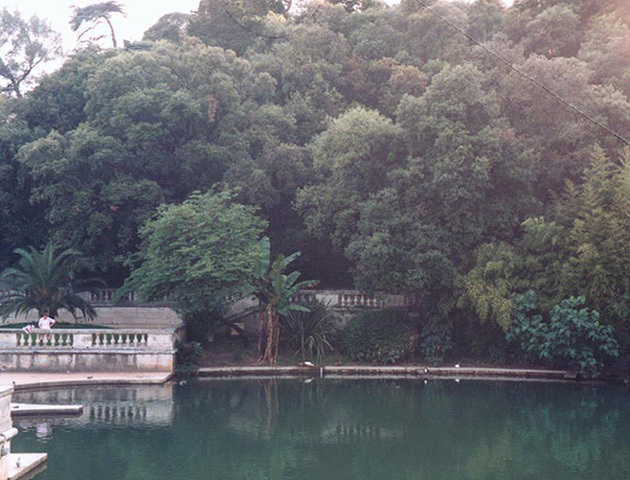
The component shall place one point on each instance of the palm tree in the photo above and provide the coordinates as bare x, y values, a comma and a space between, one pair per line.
44, 281
274, 291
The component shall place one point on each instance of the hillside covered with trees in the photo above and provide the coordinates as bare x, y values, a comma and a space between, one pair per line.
471, 156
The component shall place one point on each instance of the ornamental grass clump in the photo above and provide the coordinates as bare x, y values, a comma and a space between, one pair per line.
309, 332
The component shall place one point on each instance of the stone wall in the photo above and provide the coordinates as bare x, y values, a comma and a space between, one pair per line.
7, 432
87, 350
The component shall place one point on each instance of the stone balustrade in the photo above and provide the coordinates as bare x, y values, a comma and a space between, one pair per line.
335, 298
342, 299
94, 350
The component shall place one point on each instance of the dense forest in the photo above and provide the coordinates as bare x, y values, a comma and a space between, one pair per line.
472, 156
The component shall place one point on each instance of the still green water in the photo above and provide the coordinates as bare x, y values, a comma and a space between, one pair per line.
336, 429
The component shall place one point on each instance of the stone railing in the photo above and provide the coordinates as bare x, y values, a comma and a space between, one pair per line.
343, 302
78, 339
106, 296
342, 299
89, 349
335, 298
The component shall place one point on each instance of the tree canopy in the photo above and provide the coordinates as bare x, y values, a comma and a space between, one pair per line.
198, 253
461, 154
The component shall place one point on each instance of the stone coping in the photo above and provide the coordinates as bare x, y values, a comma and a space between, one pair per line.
369, 370
22, 381
26, 465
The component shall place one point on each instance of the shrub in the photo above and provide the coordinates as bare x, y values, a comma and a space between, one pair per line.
187, 358
379, 337
571, 336
308, 333
435, 342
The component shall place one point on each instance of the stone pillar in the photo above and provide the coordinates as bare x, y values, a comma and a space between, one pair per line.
14, 466
7, 432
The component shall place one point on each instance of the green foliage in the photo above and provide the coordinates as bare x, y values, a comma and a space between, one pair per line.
489, 286
382, 337
44, 280
198, 253
94, 14
171, 27
435, 342
382, 134
187, 358
24, 44
569, 336
596, 215
275, 291
308, 333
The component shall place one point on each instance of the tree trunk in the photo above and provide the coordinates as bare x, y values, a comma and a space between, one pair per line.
270, 352
262, 330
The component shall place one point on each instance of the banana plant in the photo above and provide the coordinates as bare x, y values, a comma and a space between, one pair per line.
276, 292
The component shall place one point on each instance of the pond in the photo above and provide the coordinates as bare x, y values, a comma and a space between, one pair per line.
336, 429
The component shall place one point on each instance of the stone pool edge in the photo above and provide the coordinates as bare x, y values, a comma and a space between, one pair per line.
37, 381
21, 381
371, 370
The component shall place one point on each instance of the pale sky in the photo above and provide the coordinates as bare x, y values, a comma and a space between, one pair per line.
141, 14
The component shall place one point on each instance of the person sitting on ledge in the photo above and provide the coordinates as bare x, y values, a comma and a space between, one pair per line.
45, 323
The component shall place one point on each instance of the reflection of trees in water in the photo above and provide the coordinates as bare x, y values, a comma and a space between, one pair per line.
475, 427
389, 429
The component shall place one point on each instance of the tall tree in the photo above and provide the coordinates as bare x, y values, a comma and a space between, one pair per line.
198, 253
94, 15
24, 45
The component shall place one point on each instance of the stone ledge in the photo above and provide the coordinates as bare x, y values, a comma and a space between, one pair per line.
30, 464
361, 370
25, 381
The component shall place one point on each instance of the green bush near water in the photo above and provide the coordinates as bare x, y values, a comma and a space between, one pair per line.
187, 358
436, 342
570, 336
382, 337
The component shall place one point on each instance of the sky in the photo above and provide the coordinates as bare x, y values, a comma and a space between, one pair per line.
141, 14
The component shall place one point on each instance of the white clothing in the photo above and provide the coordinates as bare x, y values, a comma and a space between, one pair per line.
45, 323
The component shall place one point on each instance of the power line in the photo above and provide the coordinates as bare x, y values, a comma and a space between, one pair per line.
524, 75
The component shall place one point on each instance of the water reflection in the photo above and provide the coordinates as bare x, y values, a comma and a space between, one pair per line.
334, 429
